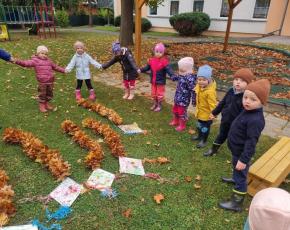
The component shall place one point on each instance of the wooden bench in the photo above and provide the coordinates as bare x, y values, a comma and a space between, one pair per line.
271, 169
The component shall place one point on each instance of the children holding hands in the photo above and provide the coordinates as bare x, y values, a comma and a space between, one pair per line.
230, 107
44, 68
81, 61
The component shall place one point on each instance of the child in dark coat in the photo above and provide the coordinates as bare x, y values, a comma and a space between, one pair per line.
230, 107
159, 66
5, 56
184, 92
243, 137
124, 56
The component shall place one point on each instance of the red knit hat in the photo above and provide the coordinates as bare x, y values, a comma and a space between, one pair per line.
261, 88
245, 74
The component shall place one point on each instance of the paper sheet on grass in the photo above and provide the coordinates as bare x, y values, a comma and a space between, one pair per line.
131, 166
100, 179
20, 227
67, 192
131, 129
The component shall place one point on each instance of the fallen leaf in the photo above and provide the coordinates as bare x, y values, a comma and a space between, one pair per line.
145, 132
158, 198
150, 161
197, 186
162, 160
191, 131
148, 142
198, 177
127, 213
79, 161
3, 219
228, 162
188, 178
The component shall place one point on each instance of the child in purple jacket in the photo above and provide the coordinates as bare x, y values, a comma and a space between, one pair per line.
184, 92
44, 68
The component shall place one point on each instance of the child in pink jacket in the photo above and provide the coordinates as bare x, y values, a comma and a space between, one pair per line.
44, 68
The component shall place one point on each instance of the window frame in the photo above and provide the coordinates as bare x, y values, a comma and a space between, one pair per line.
151, 8
265, 8
195, 1
224, 2
170, 9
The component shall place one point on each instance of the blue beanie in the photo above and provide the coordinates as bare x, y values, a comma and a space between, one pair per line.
205, 71
116, 47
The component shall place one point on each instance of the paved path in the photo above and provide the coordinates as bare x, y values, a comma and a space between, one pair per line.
285, 40
275, 126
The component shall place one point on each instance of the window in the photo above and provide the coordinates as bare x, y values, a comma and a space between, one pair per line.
225, 8
174, 5
153, 10
198, 5
261, 8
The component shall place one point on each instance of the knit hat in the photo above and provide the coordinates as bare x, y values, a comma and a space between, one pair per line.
79, 44
159, 47
245, 74
270, 209
261, 88
185, 65
41, 49
116, 47
205, 71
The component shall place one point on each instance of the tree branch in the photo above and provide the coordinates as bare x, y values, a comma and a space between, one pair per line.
236, 3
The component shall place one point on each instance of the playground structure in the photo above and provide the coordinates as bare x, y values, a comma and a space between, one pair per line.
40, 16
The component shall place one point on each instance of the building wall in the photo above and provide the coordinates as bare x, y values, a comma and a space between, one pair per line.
286, 25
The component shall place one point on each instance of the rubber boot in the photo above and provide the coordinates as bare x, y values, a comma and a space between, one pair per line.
127, 93
202, 143
154, 105
42, 107
174, 121
228, 180
158, 107
234, 204
78, 94
196, 137
131, 94
213, 150
48, 106
92, 95
181, 126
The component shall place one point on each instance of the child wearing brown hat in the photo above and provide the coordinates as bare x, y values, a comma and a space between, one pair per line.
230, 107
242, 139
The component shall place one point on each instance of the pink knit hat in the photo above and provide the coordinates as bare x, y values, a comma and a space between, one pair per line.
159, 47
185, 65
41, 49
270, 210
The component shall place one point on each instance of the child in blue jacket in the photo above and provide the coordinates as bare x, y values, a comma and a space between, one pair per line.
242, 140
5, 56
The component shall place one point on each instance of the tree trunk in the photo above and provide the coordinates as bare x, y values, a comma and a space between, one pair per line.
230, 18
126, 30
90, 13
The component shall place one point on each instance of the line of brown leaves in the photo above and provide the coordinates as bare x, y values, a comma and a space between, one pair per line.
7, 208
112, 139
95, 155
102, 110
37, 151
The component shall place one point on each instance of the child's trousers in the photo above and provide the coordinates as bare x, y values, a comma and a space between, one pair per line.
223, 133
179, 111
157, 92
88, 83
129, 84
239, 176
45, 92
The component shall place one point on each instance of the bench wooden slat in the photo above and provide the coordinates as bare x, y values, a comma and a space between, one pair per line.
280, 172
268, 155
270, 165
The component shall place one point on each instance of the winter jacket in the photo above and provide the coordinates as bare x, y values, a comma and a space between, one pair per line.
230, 106
205, 101
82, 63
158, 67
245, 132
127, 63
184, 89
4, 55
43, 68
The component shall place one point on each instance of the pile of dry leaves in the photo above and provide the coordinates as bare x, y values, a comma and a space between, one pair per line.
37, 151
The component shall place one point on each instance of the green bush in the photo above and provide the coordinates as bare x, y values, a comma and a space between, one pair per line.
62, 18
190, 23
145, 23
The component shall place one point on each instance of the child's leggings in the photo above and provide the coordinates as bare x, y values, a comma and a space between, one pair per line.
157, 92
80, 83
129, 84
45, 92
179, 111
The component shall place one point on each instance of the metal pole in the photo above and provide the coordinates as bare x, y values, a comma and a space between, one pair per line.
284, 16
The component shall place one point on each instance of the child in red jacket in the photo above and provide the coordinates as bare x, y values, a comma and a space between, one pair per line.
44, 68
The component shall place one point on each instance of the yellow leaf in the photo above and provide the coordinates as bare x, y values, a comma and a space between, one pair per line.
197, 186
198, 177
158, 198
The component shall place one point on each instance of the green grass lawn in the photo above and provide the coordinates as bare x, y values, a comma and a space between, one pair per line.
184, 207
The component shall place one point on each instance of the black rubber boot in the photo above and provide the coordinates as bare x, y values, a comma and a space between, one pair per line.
234, 204
228, 180
196, 137
203, 140
213, 150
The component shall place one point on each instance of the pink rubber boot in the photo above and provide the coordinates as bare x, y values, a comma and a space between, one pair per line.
42, 107
158, 107
154, 105
174, 121
92, 95
181, 126
78, 94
